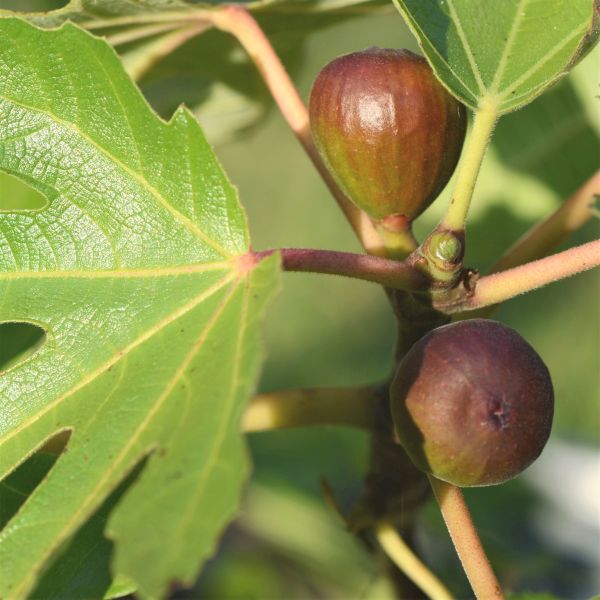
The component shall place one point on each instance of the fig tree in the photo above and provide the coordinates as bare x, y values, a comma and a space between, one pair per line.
387, 130
472, 403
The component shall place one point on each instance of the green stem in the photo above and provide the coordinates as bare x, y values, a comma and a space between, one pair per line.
182, 16
139, 33
409, 563
353, 407
442, 254
485, 119
140, 60
399, 241
466, 540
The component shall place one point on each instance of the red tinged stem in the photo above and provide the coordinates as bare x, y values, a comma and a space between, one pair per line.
390, 273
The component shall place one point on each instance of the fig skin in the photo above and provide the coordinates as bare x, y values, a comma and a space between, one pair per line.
387, 130
472, 403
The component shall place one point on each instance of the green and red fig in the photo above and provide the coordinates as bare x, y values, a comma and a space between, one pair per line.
387, 129
472, 403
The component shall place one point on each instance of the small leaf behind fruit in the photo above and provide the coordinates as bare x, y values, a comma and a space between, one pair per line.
505, 52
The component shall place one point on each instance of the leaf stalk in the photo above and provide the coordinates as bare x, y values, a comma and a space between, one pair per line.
384, 271
484, 122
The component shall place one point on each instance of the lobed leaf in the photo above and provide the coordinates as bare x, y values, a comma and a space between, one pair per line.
506, 52
137, 270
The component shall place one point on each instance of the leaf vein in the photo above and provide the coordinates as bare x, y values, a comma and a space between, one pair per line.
467, 47
512, 34
118, 356
539, 64
191, 269
95, 496
185, 221
221, 433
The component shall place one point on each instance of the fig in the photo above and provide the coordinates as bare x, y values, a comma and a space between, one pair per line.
472, 403
386, 128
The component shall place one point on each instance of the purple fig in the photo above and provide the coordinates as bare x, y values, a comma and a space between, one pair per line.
472, 403
387, 130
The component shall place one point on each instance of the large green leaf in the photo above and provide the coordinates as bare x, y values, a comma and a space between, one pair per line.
137, 270
504, 51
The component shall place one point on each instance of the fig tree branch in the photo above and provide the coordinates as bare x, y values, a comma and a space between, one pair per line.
498, 287
549, 233
181, 16
387, 272
478, 139
345, 406
140, 32
410, 564
236, 19
466, 540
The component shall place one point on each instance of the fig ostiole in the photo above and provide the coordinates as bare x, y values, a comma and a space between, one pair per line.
472, 403
387, 129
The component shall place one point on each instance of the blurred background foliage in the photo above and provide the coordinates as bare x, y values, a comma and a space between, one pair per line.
543, 529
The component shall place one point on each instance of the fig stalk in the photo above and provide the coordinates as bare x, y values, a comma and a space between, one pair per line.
466, 541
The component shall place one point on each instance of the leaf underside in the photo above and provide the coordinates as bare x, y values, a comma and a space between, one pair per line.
133, 270
89, 10
506, 52
220, 86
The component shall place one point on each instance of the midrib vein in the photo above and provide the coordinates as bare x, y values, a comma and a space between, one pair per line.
505, 93
467, 47
185, 221
516, 24
221, 433
120, 273
420, 34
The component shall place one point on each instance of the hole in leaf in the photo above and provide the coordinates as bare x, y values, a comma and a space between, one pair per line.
68, 576
33, 5
19, 341
21, 482
16, 194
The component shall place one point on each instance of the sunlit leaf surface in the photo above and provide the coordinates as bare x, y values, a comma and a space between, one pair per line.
137, 270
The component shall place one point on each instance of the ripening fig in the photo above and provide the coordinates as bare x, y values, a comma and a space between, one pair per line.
472, 403
387, 130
